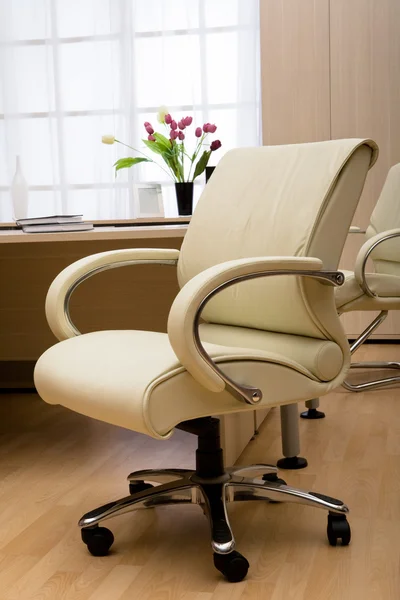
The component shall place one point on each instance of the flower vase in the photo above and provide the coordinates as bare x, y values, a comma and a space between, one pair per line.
184, 197
19, 193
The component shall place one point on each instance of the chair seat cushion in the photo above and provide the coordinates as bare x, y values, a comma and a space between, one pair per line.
133, 379
351, 297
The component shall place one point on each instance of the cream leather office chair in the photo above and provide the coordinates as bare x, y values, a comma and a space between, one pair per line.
376, 291
379, 290
258, 265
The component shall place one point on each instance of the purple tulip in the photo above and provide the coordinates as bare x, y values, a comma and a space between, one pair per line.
215, 145
181, 124
198, 132
151, 138
168, 119
173, 125
187, 121
181, 135
173, 135
149, 129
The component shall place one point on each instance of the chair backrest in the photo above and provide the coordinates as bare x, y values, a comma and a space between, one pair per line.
295, 200
386, 216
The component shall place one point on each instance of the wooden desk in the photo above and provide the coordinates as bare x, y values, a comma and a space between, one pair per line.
119, 298
141, 229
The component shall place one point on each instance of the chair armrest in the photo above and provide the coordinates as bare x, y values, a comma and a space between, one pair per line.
365, 251
184, 316
63, 286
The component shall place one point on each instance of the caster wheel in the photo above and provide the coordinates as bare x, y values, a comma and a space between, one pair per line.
338, 529
273, 478
98, 540
233, 566
139, 486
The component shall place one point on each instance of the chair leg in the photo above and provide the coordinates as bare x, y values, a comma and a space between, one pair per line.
242, 490
377, 383
158, 476
253, 472
173, 492
290, 439
312, 412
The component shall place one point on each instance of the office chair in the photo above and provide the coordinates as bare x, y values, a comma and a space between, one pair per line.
377, 291
254, 325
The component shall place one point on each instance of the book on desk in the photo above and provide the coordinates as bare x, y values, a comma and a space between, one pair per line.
54, 224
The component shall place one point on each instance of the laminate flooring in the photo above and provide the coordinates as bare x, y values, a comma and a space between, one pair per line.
55, 465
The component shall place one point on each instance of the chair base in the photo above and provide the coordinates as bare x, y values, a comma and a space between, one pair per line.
212, 492
382, 365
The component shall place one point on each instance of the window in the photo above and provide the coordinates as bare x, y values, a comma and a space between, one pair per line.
72, 70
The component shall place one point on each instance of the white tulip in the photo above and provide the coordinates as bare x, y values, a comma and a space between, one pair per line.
108, 139
162, 111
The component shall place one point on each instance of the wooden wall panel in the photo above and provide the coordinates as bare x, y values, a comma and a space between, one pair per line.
295, 71
365, 102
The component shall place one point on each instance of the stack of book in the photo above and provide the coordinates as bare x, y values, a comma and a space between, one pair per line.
54, 224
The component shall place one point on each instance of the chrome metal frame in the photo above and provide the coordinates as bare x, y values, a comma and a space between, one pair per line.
377, 383
183, 486
95, 271
363, 283
249, 394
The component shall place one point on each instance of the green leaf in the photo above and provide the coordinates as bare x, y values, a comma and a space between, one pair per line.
157, 147
201, 164
161, 139
125, 163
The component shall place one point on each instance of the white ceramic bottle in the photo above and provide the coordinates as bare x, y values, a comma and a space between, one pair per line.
19, 193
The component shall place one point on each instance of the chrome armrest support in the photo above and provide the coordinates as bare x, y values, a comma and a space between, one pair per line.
360, 271
249, 394
95, 271
60, 291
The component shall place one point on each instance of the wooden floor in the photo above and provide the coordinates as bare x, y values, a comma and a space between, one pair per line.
55, 465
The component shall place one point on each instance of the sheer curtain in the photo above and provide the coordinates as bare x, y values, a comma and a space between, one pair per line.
72, 70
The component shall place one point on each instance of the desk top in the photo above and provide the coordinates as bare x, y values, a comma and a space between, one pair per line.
115, 230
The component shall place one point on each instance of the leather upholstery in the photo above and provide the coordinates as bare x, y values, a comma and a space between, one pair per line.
385, 281
284, 206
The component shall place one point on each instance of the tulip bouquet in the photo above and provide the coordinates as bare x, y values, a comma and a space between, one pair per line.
182, 165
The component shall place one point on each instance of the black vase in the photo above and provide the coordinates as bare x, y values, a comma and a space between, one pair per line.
209, 172
184, 197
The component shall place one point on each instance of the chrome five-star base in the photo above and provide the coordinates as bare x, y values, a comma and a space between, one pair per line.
212, 492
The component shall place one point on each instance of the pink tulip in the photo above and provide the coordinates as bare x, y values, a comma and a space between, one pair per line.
173, 125
181, 135
212, 128
205, 127
173, 135
181, 124
146, 124
215, 145
149, 129
198, 132
151, 138
168, 119
187, 121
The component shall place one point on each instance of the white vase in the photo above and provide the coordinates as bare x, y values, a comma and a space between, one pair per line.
19, 193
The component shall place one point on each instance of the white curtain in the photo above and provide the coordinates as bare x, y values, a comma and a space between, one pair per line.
73, 70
